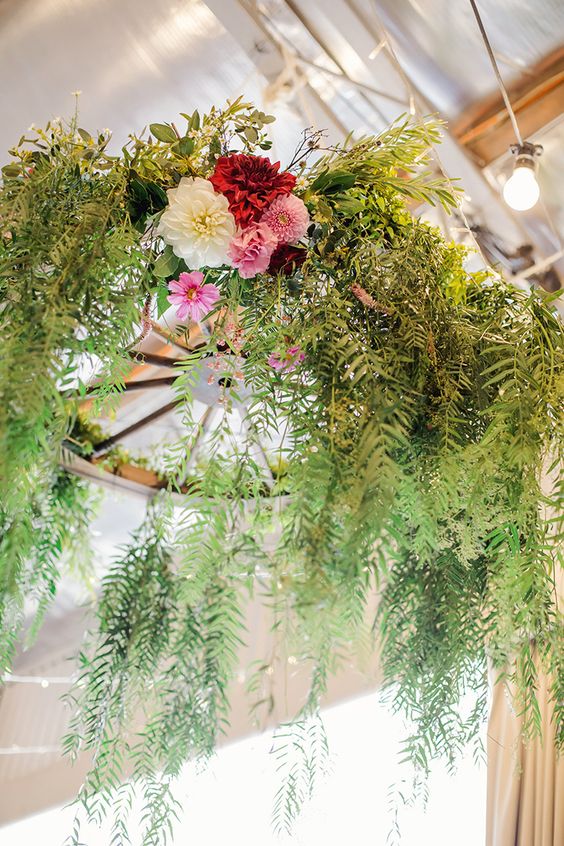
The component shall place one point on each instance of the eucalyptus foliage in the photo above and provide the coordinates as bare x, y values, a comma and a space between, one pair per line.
414, 438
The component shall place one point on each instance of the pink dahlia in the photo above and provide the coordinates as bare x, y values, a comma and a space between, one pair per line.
251, 249
288, 360
288, 218
192, 298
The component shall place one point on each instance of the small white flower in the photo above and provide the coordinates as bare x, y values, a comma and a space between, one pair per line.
197, 223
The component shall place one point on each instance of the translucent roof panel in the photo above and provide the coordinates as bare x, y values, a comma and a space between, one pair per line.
135, 62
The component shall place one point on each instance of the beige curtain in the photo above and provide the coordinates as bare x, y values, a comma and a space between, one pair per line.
525, 798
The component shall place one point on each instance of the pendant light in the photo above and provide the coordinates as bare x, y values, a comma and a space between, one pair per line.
521, 191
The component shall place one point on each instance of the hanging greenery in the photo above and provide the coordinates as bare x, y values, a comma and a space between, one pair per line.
414, 406
39, 543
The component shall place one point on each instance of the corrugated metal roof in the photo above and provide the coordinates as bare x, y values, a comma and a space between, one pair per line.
440, 45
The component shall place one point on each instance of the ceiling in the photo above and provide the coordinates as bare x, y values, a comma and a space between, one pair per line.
340, 65
440, 46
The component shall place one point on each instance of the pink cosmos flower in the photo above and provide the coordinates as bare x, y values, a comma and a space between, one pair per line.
288, 361
192, 298
251, 249
288, 218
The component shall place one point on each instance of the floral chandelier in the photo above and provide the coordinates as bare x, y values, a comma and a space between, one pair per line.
414, 406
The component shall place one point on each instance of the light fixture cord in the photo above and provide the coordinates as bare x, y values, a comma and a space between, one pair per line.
500, 82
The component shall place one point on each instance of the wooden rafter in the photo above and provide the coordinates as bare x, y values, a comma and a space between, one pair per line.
484, 129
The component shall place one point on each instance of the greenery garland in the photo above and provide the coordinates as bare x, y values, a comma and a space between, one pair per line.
415, 407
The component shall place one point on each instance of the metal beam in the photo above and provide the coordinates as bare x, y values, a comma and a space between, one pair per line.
142, 357
246, 25
105, 445
142, 384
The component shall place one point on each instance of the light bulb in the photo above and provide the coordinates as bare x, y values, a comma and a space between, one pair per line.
521, 191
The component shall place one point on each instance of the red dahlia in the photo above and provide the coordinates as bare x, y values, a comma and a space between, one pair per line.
286, 259
250, 184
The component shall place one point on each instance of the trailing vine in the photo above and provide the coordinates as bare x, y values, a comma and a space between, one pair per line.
411, 409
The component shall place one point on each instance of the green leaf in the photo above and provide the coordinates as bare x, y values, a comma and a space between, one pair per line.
348, 205
185, 146
138, 190
163, 132
333, 180
158, 196
12, 170
215, 146
319, 183
251, 134
162, 302
86, 137
166, 264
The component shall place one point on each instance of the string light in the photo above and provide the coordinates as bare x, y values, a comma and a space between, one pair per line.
42, 681
29, 750
521, 191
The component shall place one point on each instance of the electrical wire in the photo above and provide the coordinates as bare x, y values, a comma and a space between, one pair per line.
413, 96
496, 70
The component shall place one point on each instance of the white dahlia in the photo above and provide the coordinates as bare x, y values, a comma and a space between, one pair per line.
197, 223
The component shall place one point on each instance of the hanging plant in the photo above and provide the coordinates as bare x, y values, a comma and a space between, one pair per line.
414, 407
